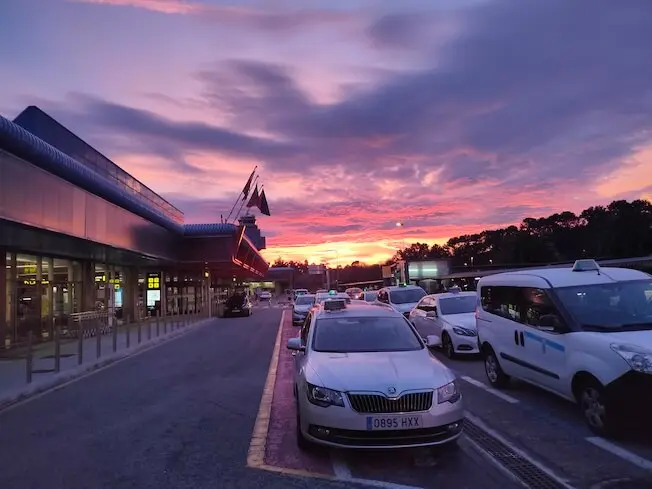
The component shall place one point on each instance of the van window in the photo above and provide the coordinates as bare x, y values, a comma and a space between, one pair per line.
622, 306
537, 304
502, 301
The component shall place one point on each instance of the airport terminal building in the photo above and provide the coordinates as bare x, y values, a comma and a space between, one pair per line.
79, 233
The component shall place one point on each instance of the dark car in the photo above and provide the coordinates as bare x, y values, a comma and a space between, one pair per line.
237, 305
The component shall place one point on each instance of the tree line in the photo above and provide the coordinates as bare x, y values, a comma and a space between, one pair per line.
621, 229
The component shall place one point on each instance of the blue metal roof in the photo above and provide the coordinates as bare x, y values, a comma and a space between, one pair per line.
24, 144
217, 229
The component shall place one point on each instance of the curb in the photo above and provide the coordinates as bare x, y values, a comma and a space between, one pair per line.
62, 378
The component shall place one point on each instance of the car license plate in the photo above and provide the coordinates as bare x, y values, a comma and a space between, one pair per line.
393, 423
236, 310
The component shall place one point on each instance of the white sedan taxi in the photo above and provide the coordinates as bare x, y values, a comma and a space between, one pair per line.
448, 320
364, 379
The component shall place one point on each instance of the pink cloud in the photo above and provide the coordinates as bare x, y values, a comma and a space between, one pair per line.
262, 18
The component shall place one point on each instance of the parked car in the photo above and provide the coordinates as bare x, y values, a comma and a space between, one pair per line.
265, 295
364, 379
300, 308
237, 304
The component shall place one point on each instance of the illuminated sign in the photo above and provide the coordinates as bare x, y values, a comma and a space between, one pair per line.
419, 270
153, 282
34, 282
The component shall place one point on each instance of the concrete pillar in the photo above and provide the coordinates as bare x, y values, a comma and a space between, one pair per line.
88, 286
50, 292
130, 294
4, 298
164, 293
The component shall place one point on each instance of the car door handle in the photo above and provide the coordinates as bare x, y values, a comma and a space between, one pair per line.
522, 338
516, 337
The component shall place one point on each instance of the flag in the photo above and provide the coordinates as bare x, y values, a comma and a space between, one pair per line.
247, 186
254, 201
262, 204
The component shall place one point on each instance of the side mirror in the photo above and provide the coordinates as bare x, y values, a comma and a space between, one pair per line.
295, 344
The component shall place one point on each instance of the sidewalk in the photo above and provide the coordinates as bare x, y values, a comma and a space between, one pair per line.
14, 385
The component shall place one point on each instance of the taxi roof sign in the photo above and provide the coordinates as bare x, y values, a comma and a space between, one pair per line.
586, 265
334, 305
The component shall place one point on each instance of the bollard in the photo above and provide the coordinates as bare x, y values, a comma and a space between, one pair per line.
165, 327
149, 328
128, 331
98, 336
158, 325
28, 358
139, 332
114, 334
80, 341
57, 349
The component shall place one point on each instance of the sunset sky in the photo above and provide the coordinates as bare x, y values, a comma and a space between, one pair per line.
451, 116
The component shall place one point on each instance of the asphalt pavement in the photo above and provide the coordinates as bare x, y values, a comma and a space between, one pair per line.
182, 415
552, 431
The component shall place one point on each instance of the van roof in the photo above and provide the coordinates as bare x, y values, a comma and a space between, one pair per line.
566, 277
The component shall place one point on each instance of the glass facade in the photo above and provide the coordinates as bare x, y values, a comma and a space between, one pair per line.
41, 292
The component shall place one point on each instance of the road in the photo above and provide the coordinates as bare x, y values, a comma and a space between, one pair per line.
552, 431
182, 415
179, 415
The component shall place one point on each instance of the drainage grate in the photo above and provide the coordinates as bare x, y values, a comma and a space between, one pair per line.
528, 473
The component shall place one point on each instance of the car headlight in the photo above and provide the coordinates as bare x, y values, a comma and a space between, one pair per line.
449, 393
323, 397
639, 359
463, 331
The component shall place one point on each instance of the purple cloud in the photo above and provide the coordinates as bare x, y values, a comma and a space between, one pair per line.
526, 94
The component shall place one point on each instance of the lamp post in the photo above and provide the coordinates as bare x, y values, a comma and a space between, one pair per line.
337, 263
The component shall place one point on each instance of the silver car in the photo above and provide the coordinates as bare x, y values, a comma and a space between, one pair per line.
364, 379
302, 304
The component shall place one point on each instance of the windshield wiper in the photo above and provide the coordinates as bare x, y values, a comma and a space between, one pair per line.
637, 327
600, 327
619, 328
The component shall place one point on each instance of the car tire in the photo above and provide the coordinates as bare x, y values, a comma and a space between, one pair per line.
302, 442
447, 345
495, 375
595, 409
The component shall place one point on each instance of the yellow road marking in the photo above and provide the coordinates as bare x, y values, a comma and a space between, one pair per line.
256, 455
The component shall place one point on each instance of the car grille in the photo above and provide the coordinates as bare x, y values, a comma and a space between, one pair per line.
377, 403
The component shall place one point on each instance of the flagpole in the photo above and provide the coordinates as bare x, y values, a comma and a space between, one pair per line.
241, 192
237, 214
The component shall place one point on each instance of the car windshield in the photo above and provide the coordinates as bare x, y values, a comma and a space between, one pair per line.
304, 301
457, 305
364, 335
370, 296
622, 306
406, 296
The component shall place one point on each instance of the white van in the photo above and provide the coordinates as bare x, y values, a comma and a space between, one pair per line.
583, 333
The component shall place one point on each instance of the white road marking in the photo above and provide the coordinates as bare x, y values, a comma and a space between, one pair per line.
620, 452
490, 390
481, 424
343, 474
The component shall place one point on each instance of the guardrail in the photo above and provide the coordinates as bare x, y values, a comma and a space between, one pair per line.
90, 330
